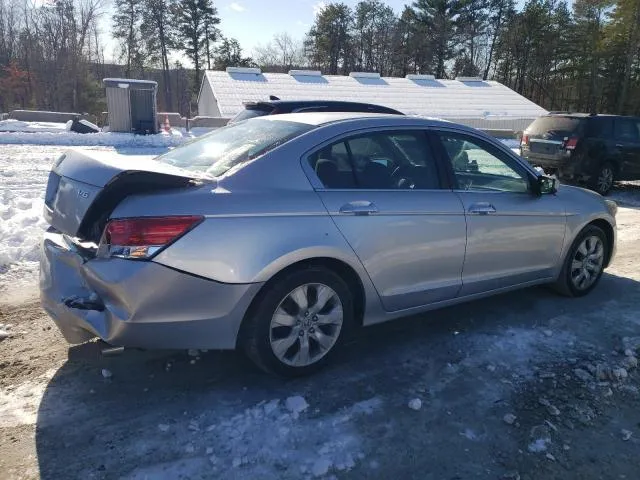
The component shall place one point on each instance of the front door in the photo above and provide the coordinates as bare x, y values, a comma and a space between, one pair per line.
513, 236
383, 191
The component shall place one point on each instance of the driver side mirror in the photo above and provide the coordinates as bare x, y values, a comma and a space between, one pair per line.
546, 185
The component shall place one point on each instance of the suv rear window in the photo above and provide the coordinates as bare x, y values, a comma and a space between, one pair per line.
555, 128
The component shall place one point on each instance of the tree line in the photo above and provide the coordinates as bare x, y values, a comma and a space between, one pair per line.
584, 58
52, 55
580, 58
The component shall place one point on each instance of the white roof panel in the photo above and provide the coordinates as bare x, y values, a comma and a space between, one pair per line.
413, 96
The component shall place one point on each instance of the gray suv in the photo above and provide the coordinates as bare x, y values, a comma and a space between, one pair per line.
592, 149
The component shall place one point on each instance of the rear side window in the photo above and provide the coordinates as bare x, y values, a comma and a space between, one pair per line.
600, 127
555, 128
381, 161
628, 129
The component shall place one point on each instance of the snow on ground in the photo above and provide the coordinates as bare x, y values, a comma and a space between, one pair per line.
12, 125
24, 171
110, 139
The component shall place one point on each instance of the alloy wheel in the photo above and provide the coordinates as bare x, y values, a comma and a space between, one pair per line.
587, 262
605, 179
306, 324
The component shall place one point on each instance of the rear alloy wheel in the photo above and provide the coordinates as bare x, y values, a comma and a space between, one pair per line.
584, 264
298, 322
603, 180
306, 325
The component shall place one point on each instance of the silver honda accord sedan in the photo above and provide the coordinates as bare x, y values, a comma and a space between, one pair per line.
281, 235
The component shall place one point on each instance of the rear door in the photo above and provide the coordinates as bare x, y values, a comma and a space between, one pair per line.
385, 193
627, 138
513, 236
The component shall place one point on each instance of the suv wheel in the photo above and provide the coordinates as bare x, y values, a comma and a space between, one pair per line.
604, 178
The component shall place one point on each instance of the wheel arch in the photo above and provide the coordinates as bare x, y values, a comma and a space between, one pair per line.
608, 230
346, 271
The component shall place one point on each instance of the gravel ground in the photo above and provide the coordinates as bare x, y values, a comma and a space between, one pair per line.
526, 385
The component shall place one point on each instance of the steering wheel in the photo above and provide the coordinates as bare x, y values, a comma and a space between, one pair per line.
401, 179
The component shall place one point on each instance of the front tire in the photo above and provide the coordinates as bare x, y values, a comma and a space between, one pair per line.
603, 179
298, 321
584, 264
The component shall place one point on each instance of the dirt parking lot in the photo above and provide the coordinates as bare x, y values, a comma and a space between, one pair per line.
527, 385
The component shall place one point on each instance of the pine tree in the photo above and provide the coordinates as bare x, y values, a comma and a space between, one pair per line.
158, 34
438, 19
229, 54
126, 28
195, 22
329, 42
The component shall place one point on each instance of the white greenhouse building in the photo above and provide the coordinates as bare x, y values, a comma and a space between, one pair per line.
471, 101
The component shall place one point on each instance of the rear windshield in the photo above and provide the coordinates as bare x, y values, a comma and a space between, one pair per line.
230, 146
554, 127
251, 112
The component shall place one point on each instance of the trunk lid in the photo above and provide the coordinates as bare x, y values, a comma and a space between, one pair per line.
85, 187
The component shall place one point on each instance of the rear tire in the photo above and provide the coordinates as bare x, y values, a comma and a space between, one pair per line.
603, 180
298, 321
584, 263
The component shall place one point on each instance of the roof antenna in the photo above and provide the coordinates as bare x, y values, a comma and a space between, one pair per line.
273, 97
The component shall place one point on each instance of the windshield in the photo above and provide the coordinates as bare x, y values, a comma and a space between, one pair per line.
227, 147
554, 128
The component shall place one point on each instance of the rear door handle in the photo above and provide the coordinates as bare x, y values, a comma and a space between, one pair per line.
359, 207
482, 208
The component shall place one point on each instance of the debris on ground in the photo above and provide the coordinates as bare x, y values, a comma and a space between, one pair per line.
626, 434
509, 418
106, 373
415, 404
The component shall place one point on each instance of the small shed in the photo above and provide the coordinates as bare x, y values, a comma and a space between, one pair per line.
132, 105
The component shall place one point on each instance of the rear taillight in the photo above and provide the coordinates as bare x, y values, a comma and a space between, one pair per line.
141, 238
525, 140
570, 143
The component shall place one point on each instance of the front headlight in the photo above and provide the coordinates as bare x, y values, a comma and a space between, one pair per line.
612, 207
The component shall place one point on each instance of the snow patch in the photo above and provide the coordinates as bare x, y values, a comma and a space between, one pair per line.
12, 125
296, 405
264, 441
19, 404
110, 139
539, 445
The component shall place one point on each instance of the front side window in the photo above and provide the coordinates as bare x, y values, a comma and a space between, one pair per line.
477, 165
233, 145
381, 160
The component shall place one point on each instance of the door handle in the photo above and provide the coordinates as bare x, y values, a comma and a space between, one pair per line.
482, 208
359, 207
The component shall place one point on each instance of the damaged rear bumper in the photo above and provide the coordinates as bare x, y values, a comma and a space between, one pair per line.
137, 303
